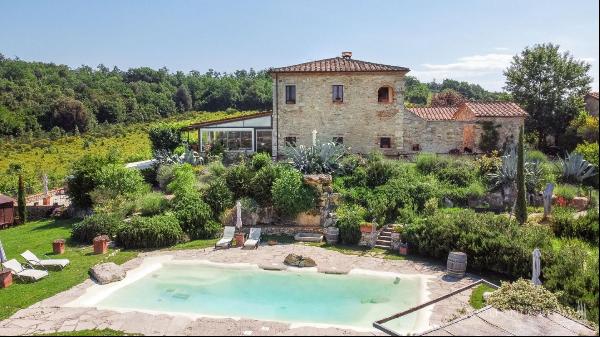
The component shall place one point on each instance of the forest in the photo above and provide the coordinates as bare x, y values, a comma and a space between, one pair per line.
37, 98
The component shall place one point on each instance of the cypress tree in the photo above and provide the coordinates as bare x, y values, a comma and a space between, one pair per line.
521, 206
22, 210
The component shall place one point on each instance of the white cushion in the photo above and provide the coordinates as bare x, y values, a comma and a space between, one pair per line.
33, 274
54, 262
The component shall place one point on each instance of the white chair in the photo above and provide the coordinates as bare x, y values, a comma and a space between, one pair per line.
228, 234
22, 273
253, 239
47, 263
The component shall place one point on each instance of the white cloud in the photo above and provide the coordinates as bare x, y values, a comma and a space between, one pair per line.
501, 49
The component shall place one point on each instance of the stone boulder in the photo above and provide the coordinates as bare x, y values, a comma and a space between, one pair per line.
107, 273
299, 261
495, 200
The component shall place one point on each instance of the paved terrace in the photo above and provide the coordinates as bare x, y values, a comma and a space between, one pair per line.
50, 315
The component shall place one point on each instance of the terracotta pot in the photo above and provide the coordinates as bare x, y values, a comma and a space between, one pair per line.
101, 245
403, 250
5, 278
366, 228
58, 247
239, 239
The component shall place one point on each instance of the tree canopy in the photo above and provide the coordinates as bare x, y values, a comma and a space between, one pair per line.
549, 85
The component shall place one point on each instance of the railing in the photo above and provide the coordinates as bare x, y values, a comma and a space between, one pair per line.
379, 324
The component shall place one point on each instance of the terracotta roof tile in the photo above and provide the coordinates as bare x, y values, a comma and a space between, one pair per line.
479, 109
496, 109
593, 94
435, 113
337, 64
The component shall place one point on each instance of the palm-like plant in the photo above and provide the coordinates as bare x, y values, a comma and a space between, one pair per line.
575, 169
320, 158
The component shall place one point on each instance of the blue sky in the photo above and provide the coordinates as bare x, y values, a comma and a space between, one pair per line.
464, 40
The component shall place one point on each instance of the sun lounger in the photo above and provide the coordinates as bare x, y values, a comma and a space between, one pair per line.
22, 273
44, 264
253, 239
228, 234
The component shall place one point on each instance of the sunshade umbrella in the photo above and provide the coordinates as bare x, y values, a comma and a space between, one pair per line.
238, 220
2, 254
537, 267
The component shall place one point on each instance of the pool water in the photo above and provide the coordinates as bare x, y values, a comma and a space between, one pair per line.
355, 300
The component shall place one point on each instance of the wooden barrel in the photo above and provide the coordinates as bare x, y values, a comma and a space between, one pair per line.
457, 264
331, 235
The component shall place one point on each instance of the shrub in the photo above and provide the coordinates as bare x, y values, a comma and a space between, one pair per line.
290, 195
565, 224
262, 183
589, 151
260, 160
573, 274
121, 180
150, 232
94, 225
536, 155
164, 175
349, 219
218, 196
152, 203
378, 171
566, 191
165, 137
217, 169
192, 213
184, 179
458, 173
488, 163
524, 297
83, 179
238, 178
489, 136
490, 241
428, 163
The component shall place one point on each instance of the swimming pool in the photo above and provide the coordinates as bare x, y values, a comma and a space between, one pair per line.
206, 289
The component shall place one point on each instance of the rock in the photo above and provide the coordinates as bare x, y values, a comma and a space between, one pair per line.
486, 295
299, 261
447, 203
318, 179
579, 203
335, 199
308, 219
328, 189
495, 200
107, 273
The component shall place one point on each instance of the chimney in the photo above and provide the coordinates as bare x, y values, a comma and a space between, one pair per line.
347, 54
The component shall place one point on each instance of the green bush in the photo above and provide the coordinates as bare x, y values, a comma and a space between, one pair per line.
150, 232
121, 180
98, 224
565, 224
238, 178
152, 203
192, 213
458, 173
164, 175
84, 177
569, 192
378, 171
490, 241
217, 169
573, 274
524, 297
428, 163
184, 179
260, 160
218, 196
536, 155
165, 137
290, 195
262, 183
349, 219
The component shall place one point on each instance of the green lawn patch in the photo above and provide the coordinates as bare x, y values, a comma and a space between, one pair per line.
37, 237
476, 300
196, 244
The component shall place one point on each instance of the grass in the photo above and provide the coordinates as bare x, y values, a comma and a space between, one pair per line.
196, 244
37, 237
476, 300
105, 332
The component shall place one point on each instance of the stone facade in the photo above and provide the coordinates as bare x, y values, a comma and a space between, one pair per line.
360, 119
591, 104
446, 135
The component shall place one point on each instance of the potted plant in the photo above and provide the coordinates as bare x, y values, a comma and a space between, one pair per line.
58, 246
101, 244
5, 278
403, 246
366, 227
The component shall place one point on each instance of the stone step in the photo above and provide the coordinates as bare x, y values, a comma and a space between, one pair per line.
382, 247
387, 244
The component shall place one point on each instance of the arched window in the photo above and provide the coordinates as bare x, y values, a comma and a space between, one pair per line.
384, 94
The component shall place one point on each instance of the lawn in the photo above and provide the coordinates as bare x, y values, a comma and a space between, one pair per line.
476, 300
38, 236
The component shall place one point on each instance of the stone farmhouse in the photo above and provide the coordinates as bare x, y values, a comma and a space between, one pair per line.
359, 104
591, 103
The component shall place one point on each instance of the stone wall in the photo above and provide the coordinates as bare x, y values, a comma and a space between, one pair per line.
360, 119
591, 105
444, 136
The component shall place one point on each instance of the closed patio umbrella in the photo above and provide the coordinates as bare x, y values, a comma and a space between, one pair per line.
537, 269
238, 220
3, 257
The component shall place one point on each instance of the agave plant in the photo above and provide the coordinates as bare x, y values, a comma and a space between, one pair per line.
507, 173
189, 156
576, 169
320, 158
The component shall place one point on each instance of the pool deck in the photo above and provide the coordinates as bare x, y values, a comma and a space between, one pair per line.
51, 315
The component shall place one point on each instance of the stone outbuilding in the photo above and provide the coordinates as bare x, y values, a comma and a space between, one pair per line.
361, 104
591, 103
